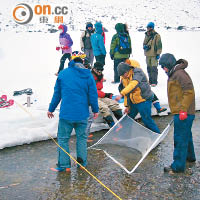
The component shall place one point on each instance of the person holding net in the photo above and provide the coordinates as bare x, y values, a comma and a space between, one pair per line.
155, 100
135, 89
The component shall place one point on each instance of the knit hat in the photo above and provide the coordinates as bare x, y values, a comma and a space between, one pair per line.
89, 24
122, 68
78, 60
98, 66
167, 60
151, 25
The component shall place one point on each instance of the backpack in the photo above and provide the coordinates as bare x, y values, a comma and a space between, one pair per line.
123, 47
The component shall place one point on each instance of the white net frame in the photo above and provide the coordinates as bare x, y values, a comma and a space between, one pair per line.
143, 141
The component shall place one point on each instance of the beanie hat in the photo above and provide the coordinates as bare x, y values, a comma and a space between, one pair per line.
89, 24
167, 60
78, 60
122, 68
98, 66
151, 25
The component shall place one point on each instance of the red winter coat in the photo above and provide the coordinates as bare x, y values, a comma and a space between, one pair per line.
99, 85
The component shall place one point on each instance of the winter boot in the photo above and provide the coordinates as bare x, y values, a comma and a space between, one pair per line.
158, 108
109, 121
118, 114
60, 169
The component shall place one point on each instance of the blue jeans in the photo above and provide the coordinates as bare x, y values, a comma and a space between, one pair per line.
183, 143
90, 121
144, 109
65, 128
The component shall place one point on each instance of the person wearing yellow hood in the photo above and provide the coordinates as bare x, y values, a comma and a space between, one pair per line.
135, 89
155, 100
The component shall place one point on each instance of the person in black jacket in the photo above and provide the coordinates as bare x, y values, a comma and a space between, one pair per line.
86, 46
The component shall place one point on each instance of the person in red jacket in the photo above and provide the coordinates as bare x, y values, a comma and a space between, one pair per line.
105, 101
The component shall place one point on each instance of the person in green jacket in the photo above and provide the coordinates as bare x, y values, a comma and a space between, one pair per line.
120, 48
152, 46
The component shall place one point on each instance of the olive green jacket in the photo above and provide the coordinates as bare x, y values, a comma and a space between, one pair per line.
154, 42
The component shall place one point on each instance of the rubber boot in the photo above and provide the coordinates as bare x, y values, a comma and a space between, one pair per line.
118, 114
158, 108
109, 121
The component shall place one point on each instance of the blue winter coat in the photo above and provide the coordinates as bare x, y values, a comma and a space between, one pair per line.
97, 41
76, 89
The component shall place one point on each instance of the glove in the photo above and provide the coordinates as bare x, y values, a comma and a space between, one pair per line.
109, 95
182, 115
126, 110
82, 49
111, 56
57, 48
65, 47
145, 47
157, 56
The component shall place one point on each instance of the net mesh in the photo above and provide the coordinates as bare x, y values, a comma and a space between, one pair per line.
127, 143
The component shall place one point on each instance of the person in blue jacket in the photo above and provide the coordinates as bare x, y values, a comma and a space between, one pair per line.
75, 88
98, 45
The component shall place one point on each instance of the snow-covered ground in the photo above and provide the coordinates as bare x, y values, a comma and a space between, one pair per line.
29, 59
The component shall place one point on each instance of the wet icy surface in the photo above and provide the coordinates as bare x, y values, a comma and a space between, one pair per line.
25, 173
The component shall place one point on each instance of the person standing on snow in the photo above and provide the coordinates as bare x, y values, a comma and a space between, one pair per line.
85, 41
105, 101
98, 45
104, 35
75, 88
181, 98
152, 46
65, 45
115, 50
137, 93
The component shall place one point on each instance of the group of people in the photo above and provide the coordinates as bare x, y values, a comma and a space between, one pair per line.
79, 89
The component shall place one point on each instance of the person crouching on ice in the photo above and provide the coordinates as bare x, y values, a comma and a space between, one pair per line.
105, 101
137, 93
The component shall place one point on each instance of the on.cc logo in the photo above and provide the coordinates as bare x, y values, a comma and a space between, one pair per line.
22, 13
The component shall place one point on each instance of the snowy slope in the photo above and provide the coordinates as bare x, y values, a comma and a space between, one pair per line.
167, 14
29, 59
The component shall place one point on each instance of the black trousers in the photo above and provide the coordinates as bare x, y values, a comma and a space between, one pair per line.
101, 59
62, 61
